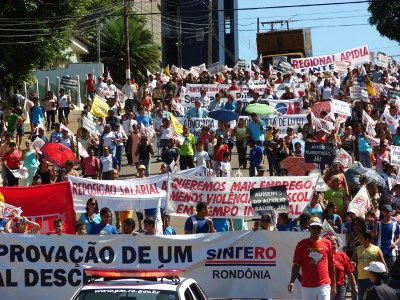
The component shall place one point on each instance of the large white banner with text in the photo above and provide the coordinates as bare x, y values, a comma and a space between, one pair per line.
120, 195
230, 197
243, 264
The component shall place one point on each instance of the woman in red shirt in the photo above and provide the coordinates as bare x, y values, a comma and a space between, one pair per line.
219, 149
90, 165
12, 160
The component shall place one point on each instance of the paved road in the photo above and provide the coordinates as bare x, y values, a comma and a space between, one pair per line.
130, 171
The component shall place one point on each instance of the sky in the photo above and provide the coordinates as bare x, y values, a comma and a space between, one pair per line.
328, 33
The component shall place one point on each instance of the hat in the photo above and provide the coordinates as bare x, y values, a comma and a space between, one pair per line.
266, 218
376, 267
260, 167
386, 207
315, 222
142, 167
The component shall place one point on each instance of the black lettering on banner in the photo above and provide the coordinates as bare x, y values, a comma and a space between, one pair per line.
53, 277
6, 279
128, 255
144, 253
179, 254
269, 199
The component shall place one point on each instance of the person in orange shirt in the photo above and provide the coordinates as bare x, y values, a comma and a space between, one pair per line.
147, 102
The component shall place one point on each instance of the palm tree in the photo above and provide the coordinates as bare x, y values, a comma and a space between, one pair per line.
144, 54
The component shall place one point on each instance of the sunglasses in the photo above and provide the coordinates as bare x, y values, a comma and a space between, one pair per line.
315, 228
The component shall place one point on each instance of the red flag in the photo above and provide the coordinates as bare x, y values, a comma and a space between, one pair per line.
43, 204
290, 110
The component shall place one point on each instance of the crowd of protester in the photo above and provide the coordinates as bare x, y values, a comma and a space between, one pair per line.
254, 144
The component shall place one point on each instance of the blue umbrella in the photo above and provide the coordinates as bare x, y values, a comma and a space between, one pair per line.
225, 115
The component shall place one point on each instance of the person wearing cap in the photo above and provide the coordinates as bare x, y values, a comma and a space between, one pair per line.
387, 232
379, 290
363, 256
315, 257
265, 223
260, 170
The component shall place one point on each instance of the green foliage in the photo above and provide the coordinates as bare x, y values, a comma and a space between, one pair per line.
385, 15
37, 33
144, 54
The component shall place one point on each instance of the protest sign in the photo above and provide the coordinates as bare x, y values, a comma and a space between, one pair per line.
120, 195
197, 88
243, 264
395, 155
215, 68
268, 200
393, 96
360, 202
341, 107
355, 92
341, 66
43, 204
283, 122
382, 59
289, 107
277, 59
195, 124
90, 126
38, 143
355, 56
188, 99
319, 153
344, 158
284, 67
99, 107
296, 166
319, 107
229, 197
69, 83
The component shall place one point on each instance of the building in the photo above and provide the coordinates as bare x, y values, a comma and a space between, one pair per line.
185, 32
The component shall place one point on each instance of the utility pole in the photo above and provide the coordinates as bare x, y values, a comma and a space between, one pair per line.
179, 35
210, 32
126, 36
98, 40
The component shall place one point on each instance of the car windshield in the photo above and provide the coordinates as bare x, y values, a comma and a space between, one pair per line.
126, 294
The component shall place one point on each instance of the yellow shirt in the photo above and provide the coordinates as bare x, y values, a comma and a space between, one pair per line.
365, 257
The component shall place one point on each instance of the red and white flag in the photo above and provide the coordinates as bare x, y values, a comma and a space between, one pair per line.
369, 124
321, 124
344, 158
360, 203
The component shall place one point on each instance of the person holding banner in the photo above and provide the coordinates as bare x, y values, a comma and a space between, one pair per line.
256, 156
187, 149
21, 225
315, 257
11, 160
200, 223
104, 228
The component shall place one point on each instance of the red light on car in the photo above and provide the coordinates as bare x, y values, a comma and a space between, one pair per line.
143, 273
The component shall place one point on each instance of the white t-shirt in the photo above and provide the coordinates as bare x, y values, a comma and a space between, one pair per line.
201, 158
129, 91
225, 167
63, 101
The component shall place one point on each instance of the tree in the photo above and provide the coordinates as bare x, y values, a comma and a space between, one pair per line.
385, 16
144, 53
34, 33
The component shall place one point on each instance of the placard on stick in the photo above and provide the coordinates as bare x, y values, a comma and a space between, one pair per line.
270, 199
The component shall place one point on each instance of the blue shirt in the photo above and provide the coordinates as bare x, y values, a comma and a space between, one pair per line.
230, 106
197, 113
169, 231
256, 155
146, 120
363, 145
37, 113
103, 229
256, 130
202, 225
386, 237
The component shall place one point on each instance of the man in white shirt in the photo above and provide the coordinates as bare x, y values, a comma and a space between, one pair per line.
204, 100
100, 86
129, 89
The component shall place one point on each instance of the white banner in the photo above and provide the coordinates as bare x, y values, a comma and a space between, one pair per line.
355, 92
195, 124
360, 202
341, 107
141, 193
230, 197
243, 264
289, 107
355, 56
395, 155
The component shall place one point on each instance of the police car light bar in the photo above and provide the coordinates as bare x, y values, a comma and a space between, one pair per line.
127, 273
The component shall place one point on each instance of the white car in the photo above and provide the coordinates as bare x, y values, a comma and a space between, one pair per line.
123, 284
